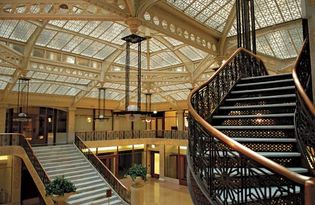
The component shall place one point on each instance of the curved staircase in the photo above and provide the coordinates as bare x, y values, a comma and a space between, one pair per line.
244, 144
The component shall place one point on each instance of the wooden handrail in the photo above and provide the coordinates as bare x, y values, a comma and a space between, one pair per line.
281, 170
298, 85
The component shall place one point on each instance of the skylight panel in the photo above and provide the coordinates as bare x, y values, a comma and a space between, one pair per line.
104, 53
122, 34
74, 25
43, 88
112, 32
23, 31
101, 29
89, 27
74, 42
40, 75
6, 70
45, 37
34, 86
181, 5
62, 90
83, 45
93, 49
52, 76
6, 27
192, 53
60, 40
3, 85
73, 91
59, 23
52, 88
156, 45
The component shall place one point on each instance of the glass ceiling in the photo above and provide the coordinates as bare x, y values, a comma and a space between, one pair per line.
70, 55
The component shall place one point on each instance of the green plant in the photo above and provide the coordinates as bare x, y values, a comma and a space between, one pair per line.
137, 170
60, 186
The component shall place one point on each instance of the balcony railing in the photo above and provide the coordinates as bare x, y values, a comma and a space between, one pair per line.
132, 134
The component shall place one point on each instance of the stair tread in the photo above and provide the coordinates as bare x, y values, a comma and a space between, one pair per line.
79, 195
253, 116
265, 154
263, 90
268, 76
83, 199
89, 182
67, 173
258, 106
67, 169
70, 164
94, 186
269, 140
258, 192
104, 201
258, 170
261, 97
272, 127
263, 83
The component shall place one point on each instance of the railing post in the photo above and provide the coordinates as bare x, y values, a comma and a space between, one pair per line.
309, 195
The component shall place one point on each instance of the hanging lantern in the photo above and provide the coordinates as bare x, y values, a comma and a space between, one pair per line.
23, 97
100, 114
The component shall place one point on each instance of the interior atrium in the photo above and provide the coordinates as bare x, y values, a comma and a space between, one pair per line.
64, 82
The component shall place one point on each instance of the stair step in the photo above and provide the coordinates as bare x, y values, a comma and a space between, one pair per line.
263, 83
50, 164
228, 196
265, 154
56, 156
261, 97
234, 172
264, 140
269, 127
114, 200
74, 177
64, 166
263, 90
83, 184
94, 186
56, 147
52, 172
51, 151
72, 172
86, 194
87, 198
63, 159
253, 116
257, 106
83, 179
288, 75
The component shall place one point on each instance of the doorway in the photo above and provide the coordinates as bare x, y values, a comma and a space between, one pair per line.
155, 164
182, 169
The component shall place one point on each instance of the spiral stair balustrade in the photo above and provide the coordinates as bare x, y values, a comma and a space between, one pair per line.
221, 169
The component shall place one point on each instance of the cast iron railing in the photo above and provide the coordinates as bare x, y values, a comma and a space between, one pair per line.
119, 188
132, 134
9, 139
305, 110
226, 171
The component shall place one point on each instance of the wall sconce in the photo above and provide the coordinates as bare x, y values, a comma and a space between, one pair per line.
89, 119
49, 119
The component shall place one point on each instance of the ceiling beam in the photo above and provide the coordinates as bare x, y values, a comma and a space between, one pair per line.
203, 66
59, 10
226, 30
176, 24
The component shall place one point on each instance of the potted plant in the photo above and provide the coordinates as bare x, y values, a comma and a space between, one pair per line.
137, 172
60, 189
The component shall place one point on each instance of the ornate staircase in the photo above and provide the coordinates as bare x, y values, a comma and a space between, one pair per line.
68, 161
246, 145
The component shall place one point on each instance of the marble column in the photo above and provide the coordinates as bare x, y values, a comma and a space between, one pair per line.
16, 180
180, 119
3, 110
162, 162
71, 125
308, 12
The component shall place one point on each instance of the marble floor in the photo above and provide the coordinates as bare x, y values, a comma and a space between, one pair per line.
158, 192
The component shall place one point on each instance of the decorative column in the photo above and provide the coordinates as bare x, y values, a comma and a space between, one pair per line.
180, 119
308, 12
71, 125
162, 162
3, 111
16, 180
